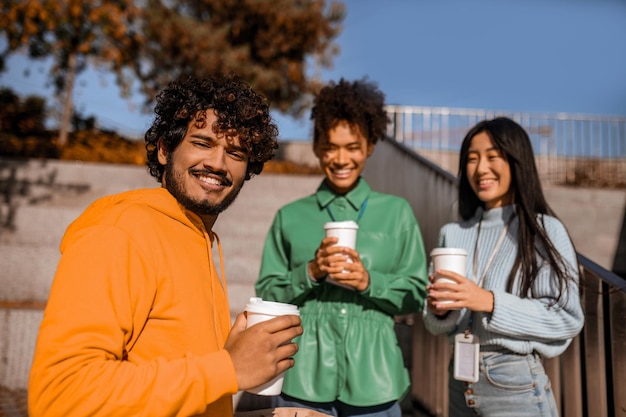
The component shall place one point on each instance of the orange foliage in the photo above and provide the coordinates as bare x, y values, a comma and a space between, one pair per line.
95, 146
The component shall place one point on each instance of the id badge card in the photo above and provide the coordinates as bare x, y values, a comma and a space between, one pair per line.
466, 354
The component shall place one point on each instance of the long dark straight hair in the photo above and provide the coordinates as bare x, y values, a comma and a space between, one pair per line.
513, 143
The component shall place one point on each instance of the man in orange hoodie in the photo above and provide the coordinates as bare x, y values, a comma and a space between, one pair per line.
137, 321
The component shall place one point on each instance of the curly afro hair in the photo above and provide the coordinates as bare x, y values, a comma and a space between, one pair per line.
240, 112
360, 103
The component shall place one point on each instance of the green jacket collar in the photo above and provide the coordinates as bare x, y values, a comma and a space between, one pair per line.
355, 197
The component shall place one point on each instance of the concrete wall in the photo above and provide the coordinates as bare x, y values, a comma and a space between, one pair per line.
300, 152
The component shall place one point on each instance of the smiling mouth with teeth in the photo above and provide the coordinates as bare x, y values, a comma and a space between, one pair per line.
341, 172
209, 180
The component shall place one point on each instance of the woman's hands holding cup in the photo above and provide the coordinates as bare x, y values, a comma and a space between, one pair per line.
339, 263
451, 291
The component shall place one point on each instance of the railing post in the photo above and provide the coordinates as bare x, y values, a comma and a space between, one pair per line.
617, 328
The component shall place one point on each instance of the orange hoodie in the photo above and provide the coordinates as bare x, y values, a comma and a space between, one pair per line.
137, 316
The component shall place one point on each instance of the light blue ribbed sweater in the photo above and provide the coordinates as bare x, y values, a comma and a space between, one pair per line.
522, 325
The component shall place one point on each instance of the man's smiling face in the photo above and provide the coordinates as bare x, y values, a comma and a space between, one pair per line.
207, 170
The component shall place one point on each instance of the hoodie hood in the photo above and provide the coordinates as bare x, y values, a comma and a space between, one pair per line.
120, 209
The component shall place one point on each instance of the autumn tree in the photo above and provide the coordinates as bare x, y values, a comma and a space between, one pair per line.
21, 116
267, 42
73, 33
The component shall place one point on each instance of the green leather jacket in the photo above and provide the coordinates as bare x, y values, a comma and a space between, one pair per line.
349, 350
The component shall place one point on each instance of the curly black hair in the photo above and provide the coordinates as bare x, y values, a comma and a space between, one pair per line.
360, 103
240, 112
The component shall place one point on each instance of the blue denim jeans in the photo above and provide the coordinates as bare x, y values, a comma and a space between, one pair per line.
339, 409
509, 385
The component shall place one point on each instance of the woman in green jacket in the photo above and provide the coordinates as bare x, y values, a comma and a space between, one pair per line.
349, 362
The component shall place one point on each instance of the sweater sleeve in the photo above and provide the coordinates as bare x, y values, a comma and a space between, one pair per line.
101, 297
546, 325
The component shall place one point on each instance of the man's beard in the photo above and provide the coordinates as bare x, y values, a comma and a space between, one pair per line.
174, 184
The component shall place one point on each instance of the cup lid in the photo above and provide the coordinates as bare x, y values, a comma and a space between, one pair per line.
257, 305
348, 224
448, 251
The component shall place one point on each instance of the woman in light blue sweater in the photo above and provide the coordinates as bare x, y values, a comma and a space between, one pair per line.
519, 299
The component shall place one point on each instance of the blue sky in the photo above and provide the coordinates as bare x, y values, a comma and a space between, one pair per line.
519, 55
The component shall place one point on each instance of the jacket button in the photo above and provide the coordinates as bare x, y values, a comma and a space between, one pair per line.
344, 311
469, 392
470, 402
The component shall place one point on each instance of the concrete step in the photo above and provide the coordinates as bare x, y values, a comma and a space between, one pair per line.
77, 176
18, 334
40, 225
26, 272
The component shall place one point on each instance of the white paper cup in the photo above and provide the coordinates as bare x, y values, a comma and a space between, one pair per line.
449, 259
258, 311
345, 231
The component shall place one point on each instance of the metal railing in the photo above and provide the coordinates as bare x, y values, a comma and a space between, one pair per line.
589, 378
570, 148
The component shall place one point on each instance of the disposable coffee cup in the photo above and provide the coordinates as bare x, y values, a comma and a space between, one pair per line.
449, 259
346, 232
258, 311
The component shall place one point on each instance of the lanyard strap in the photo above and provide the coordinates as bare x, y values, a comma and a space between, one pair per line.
479, 282
361, 210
